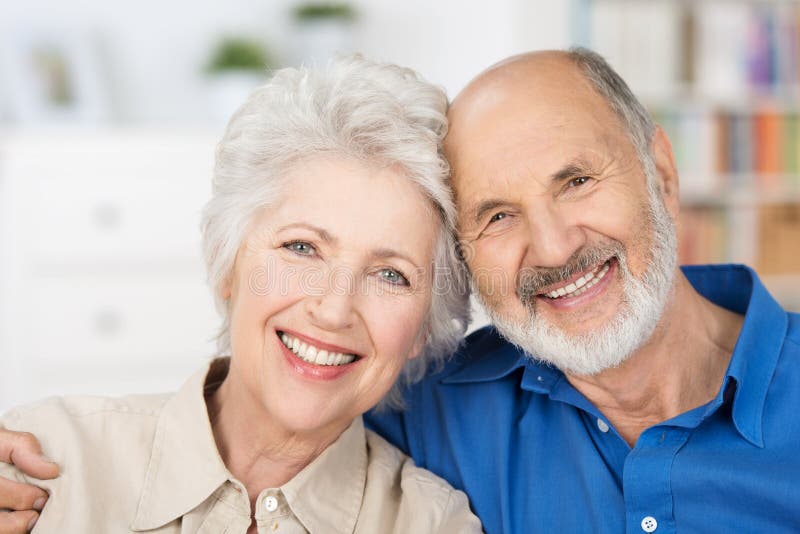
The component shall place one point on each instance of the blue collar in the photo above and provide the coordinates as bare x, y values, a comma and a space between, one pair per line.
489, 357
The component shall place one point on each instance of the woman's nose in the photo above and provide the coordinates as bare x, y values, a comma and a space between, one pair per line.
333, 310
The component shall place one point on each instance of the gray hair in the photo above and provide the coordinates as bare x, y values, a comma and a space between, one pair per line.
635, 118
379, 114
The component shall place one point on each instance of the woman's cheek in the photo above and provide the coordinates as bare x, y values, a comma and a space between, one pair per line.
394, 321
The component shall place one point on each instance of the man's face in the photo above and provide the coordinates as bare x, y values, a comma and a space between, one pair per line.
570, 252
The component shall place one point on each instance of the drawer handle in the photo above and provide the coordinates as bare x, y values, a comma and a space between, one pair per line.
107, 216
107, 322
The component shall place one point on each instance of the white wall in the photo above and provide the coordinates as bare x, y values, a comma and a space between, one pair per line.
151, 52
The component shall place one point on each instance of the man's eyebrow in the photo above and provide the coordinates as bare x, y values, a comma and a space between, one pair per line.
572, 169
321, 232
485, 206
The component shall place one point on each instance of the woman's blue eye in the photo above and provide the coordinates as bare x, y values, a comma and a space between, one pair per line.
300, 247
393, 277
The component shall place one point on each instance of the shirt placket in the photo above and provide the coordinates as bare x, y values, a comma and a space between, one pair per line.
274, 516
229, 513
647, 480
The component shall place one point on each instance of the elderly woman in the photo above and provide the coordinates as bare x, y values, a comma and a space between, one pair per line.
329, 226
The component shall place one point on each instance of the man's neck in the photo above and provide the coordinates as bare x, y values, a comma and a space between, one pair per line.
681, 366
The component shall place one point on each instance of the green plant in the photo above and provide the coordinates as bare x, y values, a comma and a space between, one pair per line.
238, 53
324, 10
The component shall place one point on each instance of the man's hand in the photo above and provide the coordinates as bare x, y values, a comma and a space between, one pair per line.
20, 503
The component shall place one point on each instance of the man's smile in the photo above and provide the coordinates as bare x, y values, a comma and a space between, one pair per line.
579, 283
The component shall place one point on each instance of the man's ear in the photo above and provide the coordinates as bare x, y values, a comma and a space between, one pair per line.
666, 172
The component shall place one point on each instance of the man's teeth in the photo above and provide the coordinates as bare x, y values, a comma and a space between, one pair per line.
315, 355
580, 285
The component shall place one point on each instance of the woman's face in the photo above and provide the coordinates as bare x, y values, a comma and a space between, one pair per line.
329, 293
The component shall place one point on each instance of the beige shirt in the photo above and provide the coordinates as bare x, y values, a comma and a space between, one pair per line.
150, 464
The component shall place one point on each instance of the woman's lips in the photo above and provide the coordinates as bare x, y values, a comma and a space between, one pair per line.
315, 371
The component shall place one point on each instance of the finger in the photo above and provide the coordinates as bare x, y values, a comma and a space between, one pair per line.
23, 450
17, 522
18, 496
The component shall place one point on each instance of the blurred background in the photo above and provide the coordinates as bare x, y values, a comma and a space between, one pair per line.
109, 113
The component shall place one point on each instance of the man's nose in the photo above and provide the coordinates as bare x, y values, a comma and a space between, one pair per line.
552, 238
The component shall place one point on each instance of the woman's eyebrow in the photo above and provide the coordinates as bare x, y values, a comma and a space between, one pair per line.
386, 253
321, 232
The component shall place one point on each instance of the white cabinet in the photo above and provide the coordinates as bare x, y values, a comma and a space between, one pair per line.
102, 287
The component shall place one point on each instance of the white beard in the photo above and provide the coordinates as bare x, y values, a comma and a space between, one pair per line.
643, 305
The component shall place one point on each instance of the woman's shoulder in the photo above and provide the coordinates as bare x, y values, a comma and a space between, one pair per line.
103, 447
54, 414
78, 406
79, 430
422, 499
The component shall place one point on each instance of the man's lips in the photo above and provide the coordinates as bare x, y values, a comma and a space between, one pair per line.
577, 283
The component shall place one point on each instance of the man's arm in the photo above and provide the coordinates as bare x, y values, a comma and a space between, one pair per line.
20, 503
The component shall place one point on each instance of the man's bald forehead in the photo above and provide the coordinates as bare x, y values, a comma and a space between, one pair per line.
518, 71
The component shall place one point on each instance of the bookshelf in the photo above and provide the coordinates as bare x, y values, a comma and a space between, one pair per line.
722, 77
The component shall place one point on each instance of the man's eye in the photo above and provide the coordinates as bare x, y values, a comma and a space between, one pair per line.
498, 217
579, 181
393, 276
300, 247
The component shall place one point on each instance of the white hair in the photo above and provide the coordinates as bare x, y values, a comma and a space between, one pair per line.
377, 113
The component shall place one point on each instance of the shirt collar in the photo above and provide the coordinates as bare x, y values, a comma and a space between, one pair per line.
185, 467
753, 362
340, 470
755, 356
488, 357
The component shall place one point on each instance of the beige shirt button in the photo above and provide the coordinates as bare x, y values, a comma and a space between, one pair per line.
271, 504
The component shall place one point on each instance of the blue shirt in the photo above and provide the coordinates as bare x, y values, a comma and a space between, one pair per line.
534, 455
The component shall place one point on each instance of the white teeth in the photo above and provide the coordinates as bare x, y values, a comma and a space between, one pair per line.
312, 354
580, 285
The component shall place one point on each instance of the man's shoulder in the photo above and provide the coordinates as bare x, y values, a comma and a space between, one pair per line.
479, 346
793, 331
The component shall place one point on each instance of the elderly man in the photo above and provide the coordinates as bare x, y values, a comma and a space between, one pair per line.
615, 392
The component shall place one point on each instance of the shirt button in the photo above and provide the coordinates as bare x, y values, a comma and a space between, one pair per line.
271, 503
649, 524
603, 426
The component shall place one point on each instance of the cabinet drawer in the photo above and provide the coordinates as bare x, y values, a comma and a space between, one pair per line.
118, 319
111, 203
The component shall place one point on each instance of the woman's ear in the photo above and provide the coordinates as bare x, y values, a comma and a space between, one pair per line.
419, 344
225, 290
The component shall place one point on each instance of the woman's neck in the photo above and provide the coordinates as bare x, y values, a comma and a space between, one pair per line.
258, 452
